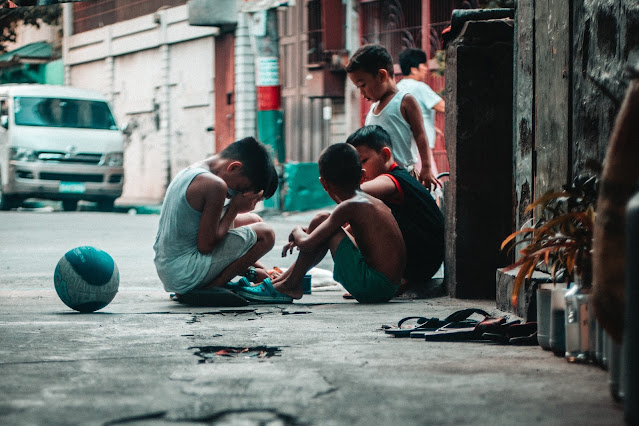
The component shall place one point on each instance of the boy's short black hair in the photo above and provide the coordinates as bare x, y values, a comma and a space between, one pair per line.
411, 58
257, 163
372, 136
339, 164
371, 58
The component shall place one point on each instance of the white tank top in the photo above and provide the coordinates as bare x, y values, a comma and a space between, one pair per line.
391, 119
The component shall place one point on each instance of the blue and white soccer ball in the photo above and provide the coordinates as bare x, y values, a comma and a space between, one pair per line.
86, 279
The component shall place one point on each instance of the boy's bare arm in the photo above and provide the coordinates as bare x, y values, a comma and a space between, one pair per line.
440, 106
207, 194
320, 235
382, 187
412, 114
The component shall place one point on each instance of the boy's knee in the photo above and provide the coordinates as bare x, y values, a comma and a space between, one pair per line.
264, 233
247, 219
318, 219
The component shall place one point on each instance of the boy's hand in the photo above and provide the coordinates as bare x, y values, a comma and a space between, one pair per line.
244, 203
429, 180
288, 248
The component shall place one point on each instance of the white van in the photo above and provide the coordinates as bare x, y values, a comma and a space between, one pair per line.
58, 143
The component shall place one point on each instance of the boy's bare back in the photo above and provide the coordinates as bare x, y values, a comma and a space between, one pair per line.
376, 233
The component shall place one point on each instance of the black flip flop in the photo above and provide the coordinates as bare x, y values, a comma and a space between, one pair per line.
487, 329
424, 324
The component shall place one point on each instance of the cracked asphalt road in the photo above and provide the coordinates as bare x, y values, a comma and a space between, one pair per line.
136, 361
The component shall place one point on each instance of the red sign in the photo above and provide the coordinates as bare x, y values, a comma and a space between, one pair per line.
269, 98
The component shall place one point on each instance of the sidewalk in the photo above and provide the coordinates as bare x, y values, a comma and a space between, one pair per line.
322, 360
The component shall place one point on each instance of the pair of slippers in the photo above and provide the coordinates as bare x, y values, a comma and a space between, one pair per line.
406, 328
239, 293
459, 327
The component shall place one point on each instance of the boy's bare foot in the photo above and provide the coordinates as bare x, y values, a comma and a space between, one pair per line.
286, 286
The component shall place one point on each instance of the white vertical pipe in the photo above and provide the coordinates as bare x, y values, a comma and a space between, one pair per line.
165, 101
110, 66
245, 95
67, 32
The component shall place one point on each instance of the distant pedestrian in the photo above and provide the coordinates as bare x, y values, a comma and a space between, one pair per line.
417, 214
361, 233
199, 243
414, 66
371, 70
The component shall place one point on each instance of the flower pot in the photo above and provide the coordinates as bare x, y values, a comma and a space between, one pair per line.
614, 370
579, 332
599, 342
630, 370
605, 350
558, 320
543, 315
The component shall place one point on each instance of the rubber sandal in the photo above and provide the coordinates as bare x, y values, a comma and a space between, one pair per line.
514, 333
424, 324
214, 296
453, 332
234, 286
263, 293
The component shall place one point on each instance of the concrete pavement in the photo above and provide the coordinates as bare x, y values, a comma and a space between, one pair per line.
322, 360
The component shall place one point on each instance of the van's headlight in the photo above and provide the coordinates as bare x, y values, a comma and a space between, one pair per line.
113, 159
19, 153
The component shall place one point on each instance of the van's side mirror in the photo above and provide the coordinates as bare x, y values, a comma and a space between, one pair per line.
4, 121
127, 129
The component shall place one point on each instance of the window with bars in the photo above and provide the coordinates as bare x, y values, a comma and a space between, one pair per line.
315, 30
395, 24
325, 30
89, 15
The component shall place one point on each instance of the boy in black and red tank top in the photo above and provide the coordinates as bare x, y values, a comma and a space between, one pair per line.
415, 210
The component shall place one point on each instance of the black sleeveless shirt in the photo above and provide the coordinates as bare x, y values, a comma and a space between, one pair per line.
422, 225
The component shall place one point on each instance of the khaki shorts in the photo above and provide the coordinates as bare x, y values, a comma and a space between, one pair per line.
234, 245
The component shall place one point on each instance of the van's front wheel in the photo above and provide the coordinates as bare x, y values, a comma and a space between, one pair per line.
69, 205
105, 205
8, 202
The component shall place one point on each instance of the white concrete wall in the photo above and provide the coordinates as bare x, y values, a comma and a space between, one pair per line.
30, 34
158, 72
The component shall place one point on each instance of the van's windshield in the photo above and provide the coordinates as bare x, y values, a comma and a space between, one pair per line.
55, 112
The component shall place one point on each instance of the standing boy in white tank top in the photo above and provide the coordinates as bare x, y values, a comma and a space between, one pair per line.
371, 70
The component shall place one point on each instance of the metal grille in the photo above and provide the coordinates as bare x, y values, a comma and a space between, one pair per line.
71, 177
62, 157
394, 24
315, 46
89, 15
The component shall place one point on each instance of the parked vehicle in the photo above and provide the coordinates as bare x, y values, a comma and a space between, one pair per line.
58, 143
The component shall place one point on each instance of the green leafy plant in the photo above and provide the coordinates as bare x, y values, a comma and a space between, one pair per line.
560, 240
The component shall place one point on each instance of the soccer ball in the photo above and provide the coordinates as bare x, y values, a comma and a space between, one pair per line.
86, 279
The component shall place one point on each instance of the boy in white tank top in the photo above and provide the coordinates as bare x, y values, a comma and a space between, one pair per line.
371, 70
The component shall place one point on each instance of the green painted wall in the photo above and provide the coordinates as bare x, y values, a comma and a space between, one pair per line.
303, 188
54, 72
51, 73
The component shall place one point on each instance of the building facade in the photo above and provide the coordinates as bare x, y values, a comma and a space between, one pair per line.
181, 76
157, 70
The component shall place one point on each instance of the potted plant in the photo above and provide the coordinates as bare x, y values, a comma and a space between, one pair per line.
559, 242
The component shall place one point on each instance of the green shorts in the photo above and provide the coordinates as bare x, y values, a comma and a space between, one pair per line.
366, 284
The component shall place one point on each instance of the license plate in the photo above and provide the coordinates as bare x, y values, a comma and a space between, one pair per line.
72, 187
